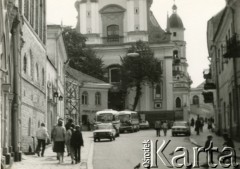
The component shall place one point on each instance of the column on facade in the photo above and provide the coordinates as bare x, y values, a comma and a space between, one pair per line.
168, 81
143, 15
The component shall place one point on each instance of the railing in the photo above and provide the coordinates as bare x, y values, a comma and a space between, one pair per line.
209, 86
177, 72
233, 47
176, 61
113, 39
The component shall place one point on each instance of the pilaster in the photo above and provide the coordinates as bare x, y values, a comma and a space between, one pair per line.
168, 81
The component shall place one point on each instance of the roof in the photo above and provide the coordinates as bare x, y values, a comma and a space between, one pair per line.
81, 77
127, 112
107, 111
175, 21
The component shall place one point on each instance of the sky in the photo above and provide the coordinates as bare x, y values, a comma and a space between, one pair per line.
194, 14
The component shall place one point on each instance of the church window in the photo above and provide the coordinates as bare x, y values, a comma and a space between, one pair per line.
174, 34
98, 98
85, 98
32, 12
29, 126
36, 20
158, 91
113, 33
114, 75
43, 77
175, 54
25, 64
195, 100
37, 72
178, 102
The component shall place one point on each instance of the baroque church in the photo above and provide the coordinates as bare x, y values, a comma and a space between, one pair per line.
112, 26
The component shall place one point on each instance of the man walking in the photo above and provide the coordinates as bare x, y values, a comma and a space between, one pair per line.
42, 136
158, 128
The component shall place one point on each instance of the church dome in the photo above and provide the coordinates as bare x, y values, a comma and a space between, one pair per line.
175, 21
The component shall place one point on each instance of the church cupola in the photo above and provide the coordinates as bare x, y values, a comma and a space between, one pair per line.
175, 25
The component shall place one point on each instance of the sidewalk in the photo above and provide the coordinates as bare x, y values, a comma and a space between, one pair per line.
49, 160
199, 140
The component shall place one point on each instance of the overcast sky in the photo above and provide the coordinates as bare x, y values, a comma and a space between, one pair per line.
194, 14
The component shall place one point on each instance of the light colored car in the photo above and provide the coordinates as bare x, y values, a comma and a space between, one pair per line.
144, 125
104, 131
181, 127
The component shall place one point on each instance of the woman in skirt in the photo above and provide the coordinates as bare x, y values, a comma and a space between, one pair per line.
58, 134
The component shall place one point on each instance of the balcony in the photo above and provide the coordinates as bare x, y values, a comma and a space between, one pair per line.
176, 61
208, 97
113, 39
233, 47
178, 72
207, 74
209, 86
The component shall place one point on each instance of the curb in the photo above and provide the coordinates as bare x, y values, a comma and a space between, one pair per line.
193, 141
90, 157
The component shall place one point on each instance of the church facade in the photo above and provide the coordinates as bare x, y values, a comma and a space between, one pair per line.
112, 26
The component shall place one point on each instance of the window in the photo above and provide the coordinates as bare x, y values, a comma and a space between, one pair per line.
43, 77
25, 64
88, 13
85, 98
114, 75
37, 72
136, 10
98, 98
32, 12
36, 20
113, 33
218, 61
174, 34
29, 126
157, 105
175, 54
195, 100
158, 90
178, 102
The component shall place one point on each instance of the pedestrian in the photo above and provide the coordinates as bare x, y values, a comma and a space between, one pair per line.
158, 128
76, 143
201, 125
68, 138
197, 125
207, 146
42, 136
210, 125
165, 128
68, 124
59, 134
192, 122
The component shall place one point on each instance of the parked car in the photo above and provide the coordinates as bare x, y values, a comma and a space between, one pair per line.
181, 127
144, 125
104, 131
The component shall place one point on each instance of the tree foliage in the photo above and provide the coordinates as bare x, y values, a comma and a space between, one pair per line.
80, 57
141, 69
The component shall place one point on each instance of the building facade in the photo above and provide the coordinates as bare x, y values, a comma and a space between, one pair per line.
33, 70
85, 95
111, 27
198, 106
223, 36
55, 75
10, 45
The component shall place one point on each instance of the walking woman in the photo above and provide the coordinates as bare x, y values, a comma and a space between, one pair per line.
76, 143
58, 134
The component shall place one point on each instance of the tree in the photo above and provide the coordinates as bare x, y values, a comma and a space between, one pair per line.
140, 70
79, 56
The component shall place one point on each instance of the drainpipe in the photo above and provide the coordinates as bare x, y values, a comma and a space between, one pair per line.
16, 84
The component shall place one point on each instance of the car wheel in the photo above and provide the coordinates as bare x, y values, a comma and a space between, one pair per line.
95, 139
99, 139
113, 138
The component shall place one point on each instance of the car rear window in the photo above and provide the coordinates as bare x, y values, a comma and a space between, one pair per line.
179, 124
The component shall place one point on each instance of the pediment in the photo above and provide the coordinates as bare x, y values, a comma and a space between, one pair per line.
112, 9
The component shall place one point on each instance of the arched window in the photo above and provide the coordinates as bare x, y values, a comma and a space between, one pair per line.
158, 90
98, 98
85, 98
26, 8
113, 33
195, 100
178, 102
43, 77
175, 54
37, 72
25, 64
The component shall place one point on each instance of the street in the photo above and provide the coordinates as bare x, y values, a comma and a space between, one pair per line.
126, 151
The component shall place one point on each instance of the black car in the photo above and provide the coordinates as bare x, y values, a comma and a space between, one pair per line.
181, 127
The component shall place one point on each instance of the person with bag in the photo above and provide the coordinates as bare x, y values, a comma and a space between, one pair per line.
165, 128
42, 136
58, 136
76, 143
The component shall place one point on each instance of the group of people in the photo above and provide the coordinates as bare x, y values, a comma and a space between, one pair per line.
70, 135
199, 123
161, 125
